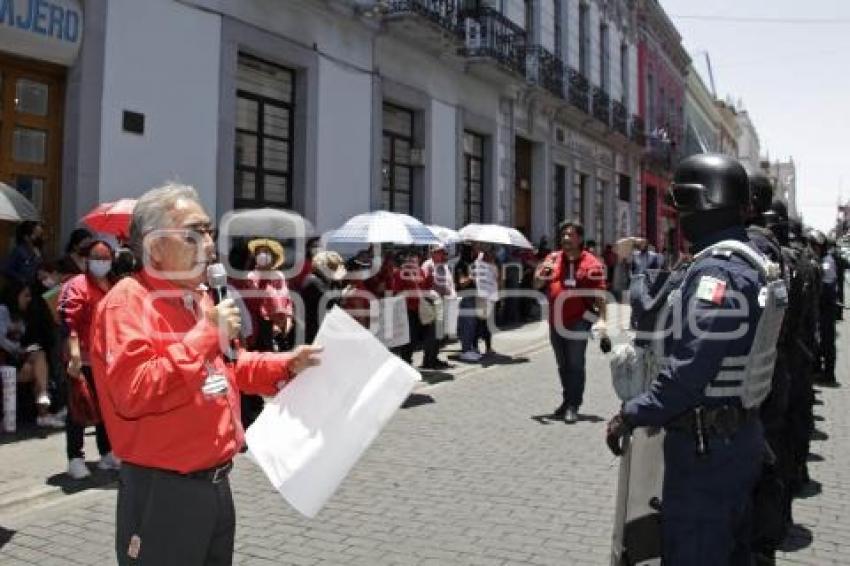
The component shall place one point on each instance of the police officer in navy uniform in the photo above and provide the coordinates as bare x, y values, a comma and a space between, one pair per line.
802, 356
704, 395
771, 501
828, 307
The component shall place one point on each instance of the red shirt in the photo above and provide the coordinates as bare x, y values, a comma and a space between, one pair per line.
410, 280
573, 287
150, 354
78, 300
265, 295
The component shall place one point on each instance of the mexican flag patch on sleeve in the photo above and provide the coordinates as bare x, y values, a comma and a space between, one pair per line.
711, 289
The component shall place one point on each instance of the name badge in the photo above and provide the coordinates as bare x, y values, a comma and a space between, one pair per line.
215, 384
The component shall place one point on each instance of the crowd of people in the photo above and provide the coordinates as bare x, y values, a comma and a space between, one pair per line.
48, 307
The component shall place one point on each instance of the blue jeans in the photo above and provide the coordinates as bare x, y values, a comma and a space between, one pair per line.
570, 357
467, 325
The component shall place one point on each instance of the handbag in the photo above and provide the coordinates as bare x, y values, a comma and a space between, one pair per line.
82, 402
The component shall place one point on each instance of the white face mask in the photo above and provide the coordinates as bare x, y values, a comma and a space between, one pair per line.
264, 259
99, 267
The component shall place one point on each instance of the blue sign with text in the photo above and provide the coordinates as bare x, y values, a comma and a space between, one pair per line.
56, 20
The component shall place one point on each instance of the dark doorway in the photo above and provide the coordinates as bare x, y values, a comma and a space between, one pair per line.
522, 195
652, 215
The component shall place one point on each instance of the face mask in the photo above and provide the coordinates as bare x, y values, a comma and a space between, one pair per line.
99, 267
264, 259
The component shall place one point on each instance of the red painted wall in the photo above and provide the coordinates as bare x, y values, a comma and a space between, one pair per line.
666, 76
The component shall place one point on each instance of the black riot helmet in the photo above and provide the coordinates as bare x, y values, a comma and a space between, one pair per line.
761, 193
776, 220
711, 192
709, 181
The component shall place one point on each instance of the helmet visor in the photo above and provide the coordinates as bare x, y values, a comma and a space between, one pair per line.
687, 196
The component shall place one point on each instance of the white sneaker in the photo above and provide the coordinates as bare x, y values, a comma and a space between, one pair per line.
77, 469
109, 462
470, 356
49, 421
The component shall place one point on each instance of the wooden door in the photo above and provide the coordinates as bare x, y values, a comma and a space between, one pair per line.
31, 114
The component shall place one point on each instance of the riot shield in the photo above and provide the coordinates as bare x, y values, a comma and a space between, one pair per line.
637, 520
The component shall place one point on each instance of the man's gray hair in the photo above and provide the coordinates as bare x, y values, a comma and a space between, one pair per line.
153, 209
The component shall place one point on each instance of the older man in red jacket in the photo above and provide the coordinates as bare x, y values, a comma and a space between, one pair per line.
169, 399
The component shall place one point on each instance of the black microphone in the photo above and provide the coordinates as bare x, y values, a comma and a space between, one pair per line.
217, 282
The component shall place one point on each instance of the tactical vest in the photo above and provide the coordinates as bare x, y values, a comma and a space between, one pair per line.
749, 377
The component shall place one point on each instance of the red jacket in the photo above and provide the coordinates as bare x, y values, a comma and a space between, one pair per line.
150, 354
573, 287
78, 299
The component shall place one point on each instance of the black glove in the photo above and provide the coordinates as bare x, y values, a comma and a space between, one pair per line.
605, 344
615, 431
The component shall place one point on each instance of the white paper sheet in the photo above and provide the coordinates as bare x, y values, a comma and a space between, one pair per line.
309, 437
390, 326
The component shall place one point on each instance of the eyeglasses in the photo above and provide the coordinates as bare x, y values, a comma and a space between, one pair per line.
195, 234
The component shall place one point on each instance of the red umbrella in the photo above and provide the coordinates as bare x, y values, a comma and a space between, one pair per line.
112, 218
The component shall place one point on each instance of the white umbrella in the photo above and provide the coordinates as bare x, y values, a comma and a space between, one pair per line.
14, 206
495, 234
448, 236
382, 227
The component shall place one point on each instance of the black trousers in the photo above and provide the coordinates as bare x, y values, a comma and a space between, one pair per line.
164, 519
828, 311
75, 433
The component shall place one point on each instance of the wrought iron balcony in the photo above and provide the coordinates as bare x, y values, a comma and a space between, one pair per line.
661, 151
545, 70
601, 106
619, 117
579, 90
444, 13
490, 34
638, 130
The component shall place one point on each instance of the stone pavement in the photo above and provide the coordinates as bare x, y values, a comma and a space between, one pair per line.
471, 472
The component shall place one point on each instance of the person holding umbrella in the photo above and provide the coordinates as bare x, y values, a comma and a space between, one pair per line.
78, 300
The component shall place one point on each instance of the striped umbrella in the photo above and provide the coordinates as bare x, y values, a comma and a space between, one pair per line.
382, 227
14, 206
112, 218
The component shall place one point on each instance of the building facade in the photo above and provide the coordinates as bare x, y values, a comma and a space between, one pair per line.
456, 111
662, 66
40, 65
702, 118
784, 177
749, 146
729, 129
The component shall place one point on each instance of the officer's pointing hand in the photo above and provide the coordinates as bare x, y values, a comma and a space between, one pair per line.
226, 316
304, 357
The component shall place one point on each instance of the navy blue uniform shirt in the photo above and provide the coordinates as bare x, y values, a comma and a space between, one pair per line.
712, 327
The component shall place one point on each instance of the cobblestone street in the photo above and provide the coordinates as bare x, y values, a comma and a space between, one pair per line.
471, 472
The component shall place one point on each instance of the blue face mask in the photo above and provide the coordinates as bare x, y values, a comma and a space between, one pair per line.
99, 267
